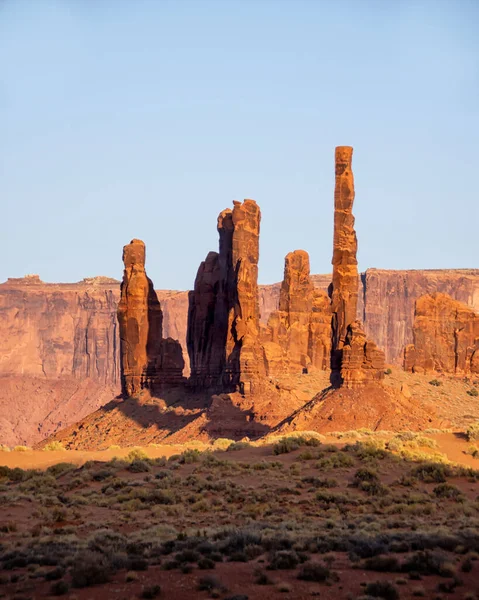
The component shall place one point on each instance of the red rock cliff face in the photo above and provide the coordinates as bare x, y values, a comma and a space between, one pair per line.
390, 296
59, 330
446, 337
147, 360
355, 361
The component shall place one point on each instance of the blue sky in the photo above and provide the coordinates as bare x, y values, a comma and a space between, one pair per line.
146, 118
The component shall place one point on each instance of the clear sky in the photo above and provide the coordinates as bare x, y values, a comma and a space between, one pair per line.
146, 118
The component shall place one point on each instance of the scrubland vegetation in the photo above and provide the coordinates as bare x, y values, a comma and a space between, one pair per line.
369, 518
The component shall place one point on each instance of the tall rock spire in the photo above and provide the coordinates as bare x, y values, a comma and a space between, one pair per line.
146, 358
223, 318
355, 361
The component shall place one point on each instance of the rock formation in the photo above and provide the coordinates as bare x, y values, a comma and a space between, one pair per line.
354, 360
446, 337
390, 296
298, 335
146, 359
223, 338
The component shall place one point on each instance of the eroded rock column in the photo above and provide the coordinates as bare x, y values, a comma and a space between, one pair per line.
354, 360
146, 359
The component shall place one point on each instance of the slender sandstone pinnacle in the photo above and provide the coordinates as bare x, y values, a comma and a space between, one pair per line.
355, 361
146, 358
344, 297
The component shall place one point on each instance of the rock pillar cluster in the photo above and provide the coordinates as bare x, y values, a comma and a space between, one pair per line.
147, 360
355, 361
446, 337
298, 335
223, 318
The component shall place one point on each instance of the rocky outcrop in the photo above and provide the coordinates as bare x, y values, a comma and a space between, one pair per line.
147, 360
354, 362
390, 296
446, 337
223, 320
298, 335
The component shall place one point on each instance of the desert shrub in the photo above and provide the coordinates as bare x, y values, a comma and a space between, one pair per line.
262, 578
152, 591
427, 562
205, 563
53, 446
208, 583
139, 466
137, 454
4, 448
60, 469
474, 393
291, 443
370, 449
335, 460
448, 586
21, 449
90, 568
447, 490
381, 563
312, 571
467, 565
238, 446
435, 382
107, 542
222, 443
286, 445
189, 456
59, 588
317, 482
472, 432
388, 371
364, 474
472, 451
102, 474
283, 559
431, 472
382, 589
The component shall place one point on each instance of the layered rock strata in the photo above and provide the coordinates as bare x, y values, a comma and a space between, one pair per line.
352, 363
147, 360
446, 337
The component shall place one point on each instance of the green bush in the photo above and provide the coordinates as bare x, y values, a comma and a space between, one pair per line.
474, 393
435, 382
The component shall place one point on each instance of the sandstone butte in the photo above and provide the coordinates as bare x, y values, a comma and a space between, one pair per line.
355, 360
147, 360
446, 337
